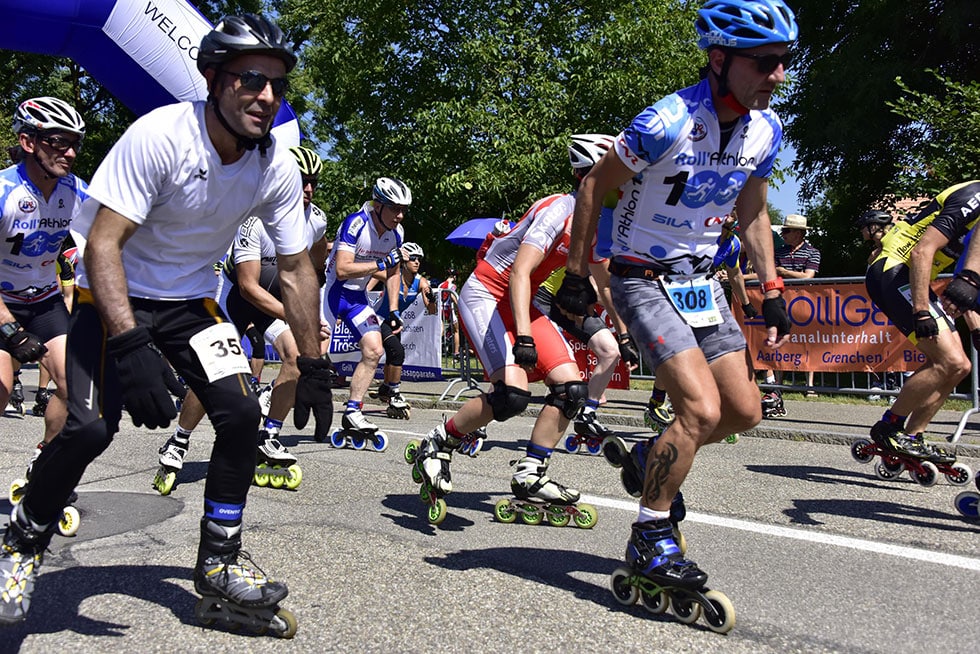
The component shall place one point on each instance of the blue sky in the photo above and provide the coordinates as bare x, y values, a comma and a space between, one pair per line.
784, 198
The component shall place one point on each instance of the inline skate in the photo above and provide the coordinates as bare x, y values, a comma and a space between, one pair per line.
265, 399
772, 405
538, 497
234, 591
172, 455
398, 407
900, 452
588, 432
21, 556
658, 415
657, 574
70, 517
16, 399
41, 398
275, 466
430, 469
358, 432
472, 443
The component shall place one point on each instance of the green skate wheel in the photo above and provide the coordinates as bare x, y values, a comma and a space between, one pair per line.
17, 489
731, 439
411, 451
558, 516
165, 484
424, 494
261, 477
532, 515
622, 589
437, 512
504, 511
295, 477
70, 520
587, 516
289, 624
416, 474
277, 480
686, 610
720, 617
657, 602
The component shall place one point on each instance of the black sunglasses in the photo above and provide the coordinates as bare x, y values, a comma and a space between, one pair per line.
415, 257
61, 145
766, 63
311, 180
255, 81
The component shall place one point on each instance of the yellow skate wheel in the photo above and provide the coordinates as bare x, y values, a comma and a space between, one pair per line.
437, 512
558, 516
680, 540
721, 616
532, 515
17, 489
685, 609
165, 483
70, 520
587, 516
277, 480
287, 617
623, 591
411, 450
504, 511
295, 477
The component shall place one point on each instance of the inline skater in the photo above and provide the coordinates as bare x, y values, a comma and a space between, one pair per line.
410, 287
39, 197
688, 160
368, 241
179, 182
913, 252
517, 344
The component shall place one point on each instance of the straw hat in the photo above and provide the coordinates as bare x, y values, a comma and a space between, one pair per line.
795, 221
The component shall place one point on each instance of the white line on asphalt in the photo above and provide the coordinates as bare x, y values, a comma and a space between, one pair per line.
928, 556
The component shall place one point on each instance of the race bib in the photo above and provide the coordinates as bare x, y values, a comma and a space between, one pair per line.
694, 300
219, 348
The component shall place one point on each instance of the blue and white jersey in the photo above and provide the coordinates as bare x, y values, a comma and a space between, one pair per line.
357, 235
31, 232
670, 214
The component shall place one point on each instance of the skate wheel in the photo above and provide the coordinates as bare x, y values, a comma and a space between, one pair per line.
571, 443
882, 472
277, 480
358, 442
411, 451
863, 450
70, 520
504, 511
261, 478
18, 488
731, 439
893, 465
476, 447
614, 449
295, 477
720, 614
960, 474
680, 541
927, 476
425, 494
200, 612
968, 504
684, 608
587, 516
165, 483
437, 512
379, 442
657, 602
620, 583
338, 440
289, 624
532, 515
416, 474
558, 516
594, 447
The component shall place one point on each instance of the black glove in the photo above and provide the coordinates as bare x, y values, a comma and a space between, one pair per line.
143, 374
525, 354
430, 297
925, 325
25, 346
749, 310
627, 350
395, 320
576, 294
313, 392
774, 313
962, 290
390, 260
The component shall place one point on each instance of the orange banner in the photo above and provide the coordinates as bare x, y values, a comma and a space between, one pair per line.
836, 328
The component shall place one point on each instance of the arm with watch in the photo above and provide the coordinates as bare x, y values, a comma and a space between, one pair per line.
22, 345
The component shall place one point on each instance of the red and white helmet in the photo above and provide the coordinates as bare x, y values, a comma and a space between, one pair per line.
585, 150
47, 114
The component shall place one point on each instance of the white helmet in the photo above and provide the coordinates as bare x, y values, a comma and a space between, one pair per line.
390, 190
47, 114
585, 150
412, 250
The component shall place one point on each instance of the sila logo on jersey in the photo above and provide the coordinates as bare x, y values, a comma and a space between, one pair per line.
670, 221
27, 205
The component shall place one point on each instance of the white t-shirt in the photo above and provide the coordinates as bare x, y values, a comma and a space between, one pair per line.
165, 176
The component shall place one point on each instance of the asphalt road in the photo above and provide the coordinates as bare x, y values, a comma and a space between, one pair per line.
815, 552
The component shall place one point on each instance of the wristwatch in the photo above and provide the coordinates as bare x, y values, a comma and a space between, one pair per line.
8, 329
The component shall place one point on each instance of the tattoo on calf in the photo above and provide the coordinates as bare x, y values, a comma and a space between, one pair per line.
658, 472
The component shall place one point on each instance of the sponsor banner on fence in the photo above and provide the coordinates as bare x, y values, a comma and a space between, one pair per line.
836, 328
421, 337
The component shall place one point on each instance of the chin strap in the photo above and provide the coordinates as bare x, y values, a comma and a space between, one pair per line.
242, 142
729, 100
724, 94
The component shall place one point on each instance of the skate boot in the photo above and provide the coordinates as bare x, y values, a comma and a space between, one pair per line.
430, 468
472, 443
772, 405
658, 415
275, 466
265, 399
657, 574
358, 432
41, 398
172, 455
234, 591
16, 399
21, 555
588, 432
539, 497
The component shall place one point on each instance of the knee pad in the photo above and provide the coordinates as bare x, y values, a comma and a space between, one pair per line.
569, 397
256, 342
394, 350
507, 401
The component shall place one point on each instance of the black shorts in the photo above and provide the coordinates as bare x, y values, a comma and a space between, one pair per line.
889, 289
46, 319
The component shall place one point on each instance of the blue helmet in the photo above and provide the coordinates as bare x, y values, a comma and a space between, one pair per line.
742, 24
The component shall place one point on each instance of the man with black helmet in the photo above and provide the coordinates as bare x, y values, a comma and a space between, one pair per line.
163, 207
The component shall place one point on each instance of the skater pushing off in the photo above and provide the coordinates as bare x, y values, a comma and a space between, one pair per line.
163, 207
696, 349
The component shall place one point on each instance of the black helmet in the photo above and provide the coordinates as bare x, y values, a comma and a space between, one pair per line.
246, 34
874, 217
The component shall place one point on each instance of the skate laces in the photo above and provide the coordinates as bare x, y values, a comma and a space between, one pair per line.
232, 567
